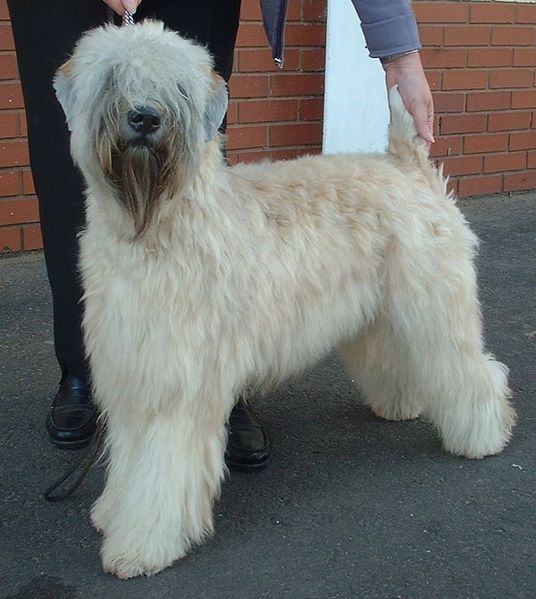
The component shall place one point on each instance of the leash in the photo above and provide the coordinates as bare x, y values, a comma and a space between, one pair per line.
126, 19
89, 457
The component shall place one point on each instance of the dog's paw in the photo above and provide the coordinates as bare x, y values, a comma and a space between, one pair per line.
396, 412
127, 562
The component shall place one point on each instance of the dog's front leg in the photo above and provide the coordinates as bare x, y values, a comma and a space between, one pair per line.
164, 474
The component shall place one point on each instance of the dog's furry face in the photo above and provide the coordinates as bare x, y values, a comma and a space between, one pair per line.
147, 102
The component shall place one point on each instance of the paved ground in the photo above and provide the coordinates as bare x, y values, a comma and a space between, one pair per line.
350, 506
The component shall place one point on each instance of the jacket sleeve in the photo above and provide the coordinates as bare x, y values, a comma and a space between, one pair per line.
389, 26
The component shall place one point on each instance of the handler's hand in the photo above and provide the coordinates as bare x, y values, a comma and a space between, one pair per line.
407, 72
119, 6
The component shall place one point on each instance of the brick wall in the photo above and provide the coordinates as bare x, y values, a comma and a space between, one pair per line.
480, 59
278, 113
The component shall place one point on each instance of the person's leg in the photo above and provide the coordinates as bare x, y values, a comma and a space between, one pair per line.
45, 32
212, 23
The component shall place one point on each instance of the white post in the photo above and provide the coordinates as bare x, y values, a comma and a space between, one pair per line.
356, 113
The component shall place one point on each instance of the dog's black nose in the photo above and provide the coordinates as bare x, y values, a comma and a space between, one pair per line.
144, 120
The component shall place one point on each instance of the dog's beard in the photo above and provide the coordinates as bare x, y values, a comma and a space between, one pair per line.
141, 176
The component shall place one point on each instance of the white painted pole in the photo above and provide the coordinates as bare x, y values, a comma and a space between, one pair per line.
356, 113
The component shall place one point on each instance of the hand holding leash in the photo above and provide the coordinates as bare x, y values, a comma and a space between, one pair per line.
122, 6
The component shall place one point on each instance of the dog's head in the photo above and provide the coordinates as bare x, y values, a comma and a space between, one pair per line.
141, 103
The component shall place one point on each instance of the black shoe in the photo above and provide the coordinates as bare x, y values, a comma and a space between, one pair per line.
72, 418
248, 447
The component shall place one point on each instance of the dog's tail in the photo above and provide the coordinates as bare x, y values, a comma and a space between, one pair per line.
405, 143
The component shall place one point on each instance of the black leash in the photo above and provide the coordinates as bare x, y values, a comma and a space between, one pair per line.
85, 462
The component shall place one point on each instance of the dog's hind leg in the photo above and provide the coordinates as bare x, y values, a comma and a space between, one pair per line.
164, 474
382, 377
435, 329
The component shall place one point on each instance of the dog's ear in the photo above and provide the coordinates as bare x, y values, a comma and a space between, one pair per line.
63, 85
216, 108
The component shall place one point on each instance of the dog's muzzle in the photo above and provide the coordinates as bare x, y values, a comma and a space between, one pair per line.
143, 124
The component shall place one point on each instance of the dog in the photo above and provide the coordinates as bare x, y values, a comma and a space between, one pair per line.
202, 280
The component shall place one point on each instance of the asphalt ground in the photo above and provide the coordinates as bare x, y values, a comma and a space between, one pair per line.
350, 506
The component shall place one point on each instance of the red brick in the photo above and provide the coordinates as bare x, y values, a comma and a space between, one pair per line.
9, 183
524, 99
431, 35
6, 37
232, 112
14, 153
443, 58
499, 163
9, 124
32, 238
463, 165
525, 140
531, 160
452, 185
313, 10
441, 12
10, 239
462, 123
434, 79
263, 111
23, 125
294, 11
492, 13
245, 136
464, 79
8, 66
249, 86
472, 186
313, 59
479, 101
490, 57
488, 142
251, 60
467, 36
446, 146
4, 13
250, 10
525, 13
449, 102
485, 143
305, 34
296, 135
508, 121
311, 109
510, 78
512, 36
13, 212
11, 96
519, 181
293, 85
28, 187
524, 57
251, 34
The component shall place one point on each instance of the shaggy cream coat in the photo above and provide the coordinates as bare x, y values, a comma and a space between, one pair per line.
240, 277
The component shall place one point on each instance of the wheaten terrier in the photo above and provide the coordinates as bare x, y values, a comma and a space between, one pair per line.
202, 280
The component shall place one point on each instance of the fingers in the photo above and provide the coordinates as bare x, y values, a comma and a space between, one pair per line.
120, 6
423, 115
407, 72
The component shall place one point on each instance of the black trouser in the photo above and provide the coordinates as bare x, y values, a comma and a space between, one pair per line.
45, 33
